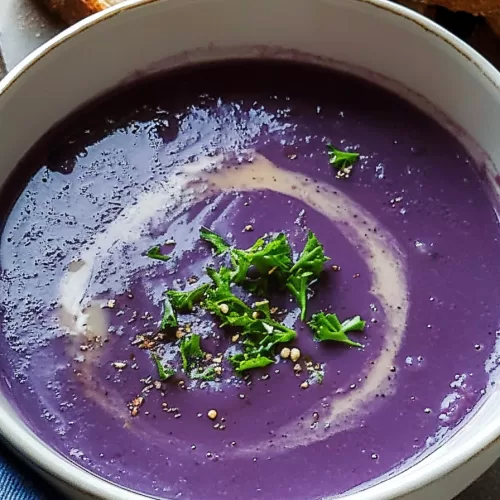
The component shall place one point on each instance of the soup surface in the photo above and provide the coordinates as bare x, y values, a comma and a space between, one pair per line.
241, 148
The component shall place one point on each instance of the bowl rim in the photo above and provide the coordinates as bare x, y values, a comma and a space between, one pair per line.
53, 465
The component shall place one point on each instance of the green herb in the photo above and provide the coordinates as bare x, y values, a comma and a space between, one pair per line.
164, 372
155, 253
207, 374
261, 334
221, 246
305, 271
184, 301
221, 297
190, 351
168, 318
268, 258
342, 160
328, 327
241, 364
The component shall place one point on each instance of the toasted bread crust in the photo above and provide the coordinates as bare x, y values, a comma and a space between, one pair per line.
494, 22
72, 11
476, 7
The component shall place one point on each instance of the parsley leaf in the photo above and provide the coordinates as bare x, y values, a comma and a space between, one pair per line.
305, 271
190, 351
221, 297
268, 258
207, 374
328, 327
342, 160
164, 372
168, 318
221, 246
184, 301
155, 253
241, 363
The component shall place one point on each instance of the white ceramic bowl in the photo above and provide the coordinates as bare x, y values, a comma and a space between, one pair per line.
399, 48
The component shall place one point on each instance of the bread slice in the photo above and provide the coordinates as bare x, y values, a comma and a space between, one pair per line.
72, 11
476, 7
494, 22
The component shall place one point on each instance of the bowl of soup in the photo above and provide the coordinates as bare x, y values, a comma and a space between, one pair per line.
250, 250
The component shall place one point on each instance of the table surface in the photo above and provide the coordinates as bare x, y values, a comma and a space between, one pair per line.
24, 27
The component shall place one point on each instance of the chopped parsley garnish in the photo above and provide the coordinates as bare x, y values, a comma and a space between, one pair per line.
155, 253
259, 333
305, 271
191, 352
328, 327
244, 362
204, 374
168, 318
164, 372
184, 301
267, 258
220, 245
342, 160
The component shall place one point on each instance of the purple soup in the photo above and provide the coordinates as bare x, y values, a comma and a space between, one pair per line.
241, 148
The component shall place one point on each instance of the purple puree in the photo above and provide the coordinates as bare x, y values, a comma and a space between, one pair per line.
415, 179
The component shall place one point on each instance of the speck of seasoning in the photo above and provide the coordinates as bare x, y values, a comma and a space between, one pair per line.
224, 308
110, 303
352, 386
216, 426
193, 447
265, 377
285, 353
246, 203
254, 459
374, 456
248, 228
199, 415
218, 370
477, 347
335, 268
242, 396
177, 415
357, 275
164, 405
316, 415
119, 365
427, 410
276, 371
235, 338
304, 385
292, 157
297, 368
212, 414
84, 348
170, 242
209, 455
157, 384
295, 354
233, 443
393, 369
